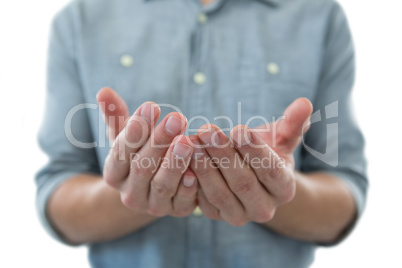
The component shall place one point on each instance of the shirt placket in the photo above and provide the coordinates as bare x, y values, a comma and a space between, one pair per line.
200, 230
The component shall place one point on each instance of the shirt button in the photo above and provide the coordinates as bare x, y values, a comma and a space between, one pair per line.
197, 211
126, 61
202, 18
273, 68
200, 79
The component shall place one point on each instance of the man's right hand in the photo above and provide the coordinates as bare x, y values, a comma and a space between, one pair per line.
148, 164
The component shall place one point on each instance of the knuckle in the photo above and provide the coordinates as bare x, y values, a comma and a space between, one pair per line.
138, 170
129, 201
201, 170
276, 172
137, 132
110, 180
264, 173
265, 215
225, 156
205, 169
259, 153
162, 189
219, 199
245, 186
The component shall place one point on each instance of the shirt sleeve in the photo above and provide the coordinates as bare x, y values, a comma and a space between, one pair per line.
334, 143
63, 94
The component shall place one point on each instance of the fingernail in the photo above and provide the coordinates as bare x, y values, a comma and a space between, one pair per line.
181, 150
174, 125
210, 137
188, 181
148, 111
242, 137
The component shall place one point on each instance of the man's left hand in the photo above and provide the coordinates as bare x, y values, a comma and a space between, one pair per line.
247, 177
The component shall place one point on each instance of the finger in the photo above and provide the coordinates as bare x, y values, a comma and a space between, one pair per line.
271, 170
285, 134
165, 183
292, 127
237, 173
146, 161
184, 202
214, 186
114, 110
128, 142
207, 208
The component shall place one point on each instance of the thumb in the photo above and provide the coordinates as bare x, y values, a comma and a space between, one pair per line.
292, 126
114, 110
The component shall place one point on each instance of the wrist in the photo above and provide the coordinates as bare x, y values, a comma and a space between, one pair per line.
111, 199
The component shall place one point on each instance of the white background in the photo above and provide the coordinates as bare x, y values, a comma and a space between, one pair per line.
376, 26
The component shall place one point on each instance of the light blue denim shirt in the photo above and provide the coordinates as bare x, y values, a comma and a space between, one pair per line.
248, 55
